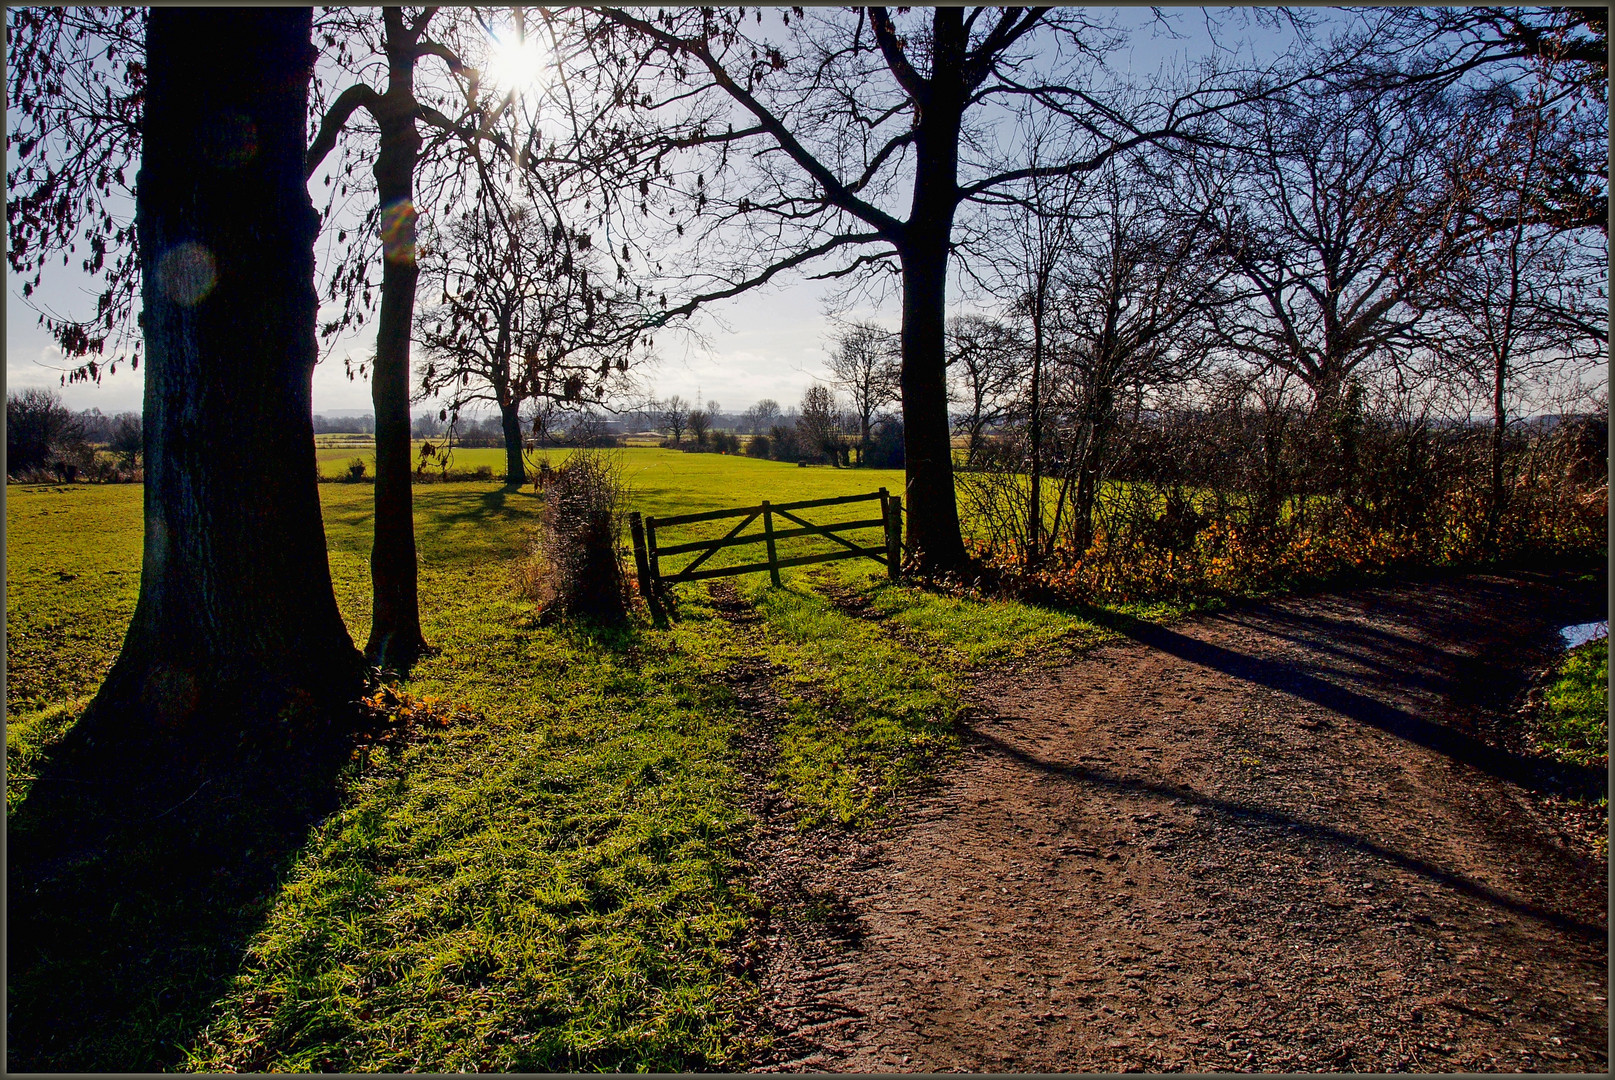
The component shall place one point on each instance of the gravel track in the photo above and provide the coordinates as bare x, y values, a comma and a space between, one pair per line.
1287, 837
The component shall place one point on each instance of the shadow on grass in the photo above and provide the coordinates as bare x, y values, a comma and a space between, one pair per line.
451, 508
613, 638
134, 885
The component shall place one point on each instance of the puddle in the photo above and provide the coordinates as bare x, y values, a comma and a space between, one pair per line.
1581, 633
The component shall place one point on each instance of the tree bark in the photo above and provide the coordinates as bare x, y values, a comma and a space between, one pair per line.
933, 516
1101, 422
934, 538
396, 640
1034, 501
1335, 415
1499, 493
236, 617
515, 468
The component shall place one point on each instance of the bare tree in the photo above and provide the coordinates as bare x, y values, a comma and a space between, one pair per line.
700, 421
521, 316
1341, 210
1042, 221
1517, 305
985, 357
761, 416
398, 151
844, 117
1136, 284
675, 417
819, 426
864, 366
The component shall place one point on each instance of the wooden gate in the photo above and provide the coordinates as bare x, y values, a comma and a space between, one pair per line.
648, 555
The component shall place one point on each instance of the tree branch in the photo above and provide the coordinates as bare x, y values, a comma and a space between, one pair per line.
767, 274
886, 37
336, 117
836, 193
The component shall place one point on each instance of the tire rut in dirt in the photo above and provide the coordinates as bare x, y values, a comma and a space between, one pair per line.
799, 948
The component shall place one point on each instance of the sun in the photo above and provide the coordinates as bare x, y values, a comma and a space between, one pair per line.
515, 62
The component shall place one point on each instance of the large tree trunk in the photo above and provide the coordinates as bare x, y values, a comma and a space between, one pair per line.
933, 514
236, 616
396, 640
933, 511
515, 468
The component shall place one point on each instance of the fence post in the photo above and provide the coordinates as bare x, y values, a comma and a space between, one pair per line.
768, 533
894, 537
636, 525
654, 572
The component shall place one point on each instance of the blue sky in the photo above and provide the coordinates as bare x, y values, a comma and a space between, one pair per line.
771, 343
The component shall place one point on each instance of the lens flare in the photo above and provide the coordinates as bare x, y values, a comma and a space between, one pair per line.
186, 273
398, 232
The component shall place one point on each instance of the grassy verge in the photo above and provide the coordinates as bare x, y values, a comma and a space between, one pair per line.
549, 888
1573, 722
871, 701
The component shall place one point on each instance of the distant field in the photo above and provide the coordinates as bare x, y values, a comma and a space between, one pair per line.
666, 482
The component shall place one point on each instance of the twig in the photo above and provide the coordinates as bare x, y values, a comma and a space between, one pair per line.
183, 801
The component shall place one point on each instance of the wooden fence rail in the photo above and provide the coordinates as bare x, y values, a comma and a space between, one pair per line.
648, 555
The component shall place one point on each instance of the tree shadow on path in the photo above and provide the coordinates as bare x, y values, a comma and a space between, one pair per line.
135, 882
1534, 773
1312, 830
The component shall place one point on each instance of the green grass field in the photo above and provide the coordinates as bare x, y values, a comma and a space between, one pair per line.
556, 885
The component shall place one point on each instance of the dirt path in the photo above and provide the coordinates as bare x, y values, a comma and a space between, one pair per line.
1282, 838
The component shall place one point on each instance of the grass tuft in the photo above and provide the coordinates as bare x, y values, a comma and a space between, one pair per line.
1573, 723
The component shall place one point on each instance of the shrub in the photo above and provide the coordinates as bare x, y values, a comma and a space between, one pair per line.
356, 469
784, 442
578, 566
759, 446
885, 445
127, 440
37, 425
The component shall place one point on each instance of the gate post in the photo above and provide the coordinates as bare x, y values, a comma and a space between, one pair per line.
636, 525
768, 533
654, 573
894, 536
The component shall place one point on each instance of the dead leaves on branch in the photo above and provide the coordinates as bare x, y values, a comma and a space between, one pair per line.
392, 716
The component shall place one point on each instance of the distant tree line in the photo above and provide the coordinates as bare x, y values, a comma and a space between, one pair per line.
47, 441
360, 424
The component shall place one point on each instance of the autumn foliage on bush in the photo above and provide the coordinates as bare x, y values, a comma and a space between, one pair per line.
1173, 526
576, 564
